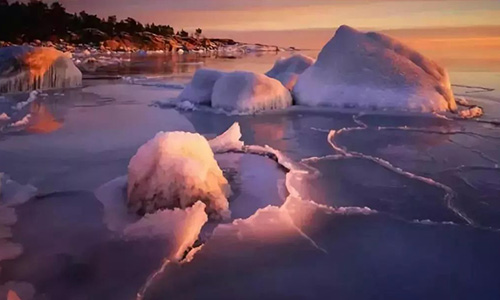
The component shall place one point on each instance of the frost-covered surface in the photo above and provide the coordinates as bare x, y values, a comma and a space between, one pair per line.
24, 68
175, 170
200, 89
248, 92
372, 70
287, 70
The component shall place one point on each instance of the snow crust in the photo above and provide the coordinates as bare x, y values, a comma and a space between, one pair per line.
24, 68
247, 92
175, 170
199, 91
287, 70
372, 70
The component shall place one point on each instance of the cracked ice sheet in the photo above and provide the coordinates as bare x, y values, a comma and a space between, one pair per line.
266, 257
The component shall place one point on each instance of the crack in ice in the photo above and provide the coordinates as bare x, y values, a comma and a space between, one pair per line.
450, 193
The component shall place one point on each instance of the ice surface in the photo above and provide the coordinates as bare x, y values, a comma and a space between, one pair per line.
175, 170
24, 68
372, 70
200, 89
248, 92
287, 70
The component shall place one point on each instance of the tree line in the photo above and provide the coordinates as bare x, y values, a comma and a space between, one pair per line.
36, 20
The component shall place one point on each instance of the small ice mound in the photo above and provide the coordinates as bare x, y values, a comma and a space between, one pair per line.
199, 91
471, 112
247, 92
372, 70
24, 68
287, 70
175, 170
4, 117
228, 141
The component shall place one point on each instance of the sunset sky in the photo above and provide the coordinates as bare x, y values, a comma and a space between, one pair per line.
298, 14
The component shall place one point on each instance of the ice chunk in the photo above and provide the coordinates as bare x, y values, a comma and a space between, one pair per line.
24, 68
229, 140
287, 70
175, 170
471, 112
4, 117
200, 89
248, 92
372, 70
9, 250
181, 227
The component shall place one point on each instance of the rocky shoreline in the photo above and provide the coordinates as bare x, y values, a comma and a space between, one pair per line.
96, 41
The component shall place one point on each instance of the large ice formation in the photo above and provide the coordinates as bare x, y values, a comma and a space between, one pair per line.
175, 170
248, 92
372, 70
200, 89
24, 68
287, 70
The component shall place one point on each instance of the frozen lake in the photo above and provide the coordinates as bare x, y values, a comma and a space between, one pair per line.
380, 205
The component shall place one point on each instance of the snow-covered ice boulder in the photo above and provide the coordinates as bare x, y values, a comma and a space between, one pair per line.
175, 170
287, 70
248, 92
372, 70
24, 68
200, 89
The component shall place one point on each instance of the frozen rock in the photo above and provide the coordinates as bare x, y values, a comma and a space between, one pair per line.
372, 70
200, 89
287, 70
24, 68
175, 170
248, 92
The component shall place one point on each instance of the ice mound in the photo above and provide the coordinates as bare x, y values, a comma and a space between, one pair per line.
24, 68
200, 89
248, 92
372, 70
175, 170
287, 70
